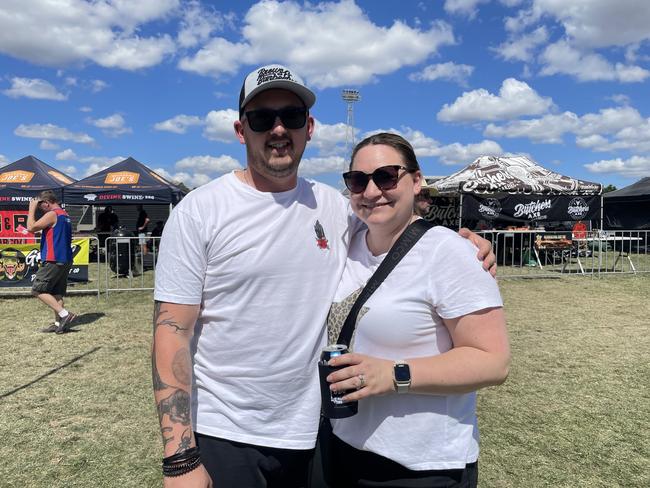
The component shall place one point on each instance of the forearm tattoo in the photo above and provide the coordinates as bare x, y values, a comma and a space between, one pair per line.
159, 320
181, 366
177, 406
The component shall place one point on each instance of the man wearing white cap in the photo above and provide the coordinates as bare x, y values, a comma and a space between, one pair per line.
247, 269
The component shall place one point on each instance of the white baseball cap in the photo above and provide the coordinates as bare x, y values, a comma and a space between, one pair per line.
274, 76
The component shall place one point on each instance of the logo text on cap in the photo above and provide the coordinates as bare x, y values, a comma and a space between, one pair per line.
265, 75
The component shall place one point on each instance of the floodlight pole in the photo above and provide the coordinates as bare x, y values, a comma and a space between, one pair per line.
350, 97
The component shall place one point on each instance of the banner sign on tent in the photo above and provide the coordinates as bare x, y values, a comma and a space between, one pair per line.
531, 208
443, 211
19, 263
14, 224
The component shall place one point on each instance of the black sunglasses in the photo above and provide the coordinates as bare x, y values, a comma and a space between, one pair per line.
385, 178
263, 119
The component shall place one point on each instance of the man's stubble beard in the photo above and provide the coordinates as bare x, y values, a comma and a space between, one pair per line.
262, 166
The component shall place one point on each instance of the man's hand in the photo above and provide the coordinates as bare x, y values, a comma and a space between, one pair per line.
33, 204
485, 252
198, 478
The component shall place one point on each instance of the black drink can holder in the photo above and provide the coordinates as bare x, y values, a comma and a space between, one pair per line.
332, 404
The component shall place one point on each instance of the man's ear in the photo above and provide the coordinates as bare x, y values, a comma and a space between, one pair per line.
239, 131
311, 125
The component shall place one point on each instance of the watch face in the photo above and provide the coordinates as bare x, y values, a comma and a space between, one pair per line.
402, 373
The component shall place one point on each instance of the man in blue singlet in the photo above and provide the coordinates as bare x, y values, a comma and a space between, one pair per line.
51, 281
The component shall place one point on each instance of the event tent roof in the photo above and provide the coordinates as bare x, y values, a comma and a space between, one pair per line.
491, 174
26, 178
127, 182
640, 189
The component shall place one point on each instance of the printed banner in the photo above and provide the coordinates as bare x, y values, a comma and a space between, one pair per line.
531, 208
14, 224
19, 263
443, 211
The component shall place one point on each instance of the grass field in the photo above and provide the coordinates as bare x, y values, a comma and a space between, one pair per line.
76, 410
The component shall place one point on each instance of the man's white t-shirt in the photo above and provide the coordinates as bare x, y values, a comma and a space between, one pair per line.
264, 268
439, 278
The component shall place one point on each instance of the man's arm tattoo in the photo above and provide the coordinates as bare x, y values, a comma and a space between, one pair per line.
158, 383
177, 406
186, 440
182, 366
158, 320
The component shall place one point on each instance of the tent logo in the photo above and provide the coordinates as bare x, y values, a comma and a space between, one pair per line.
490, 208
91, 197
577, 208
18, 176
61, 177
122, 178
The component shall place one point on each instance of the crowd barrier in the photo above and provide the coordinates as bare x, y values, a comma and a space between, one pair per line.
534, 253
130, 263
19, 257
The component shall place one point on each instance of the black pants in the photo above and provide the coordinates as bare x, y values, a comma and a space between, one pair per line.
343, 466
239, 465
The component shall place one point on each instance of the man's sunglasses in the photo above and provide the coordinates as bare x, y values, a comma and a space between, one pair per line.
385, 178
263, 119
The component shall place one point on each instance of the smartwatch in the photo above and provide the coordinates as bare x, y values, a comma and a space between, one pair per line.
401, 376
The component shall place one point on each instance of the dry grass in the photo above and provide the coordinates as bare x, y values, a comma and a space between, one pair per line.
77, 410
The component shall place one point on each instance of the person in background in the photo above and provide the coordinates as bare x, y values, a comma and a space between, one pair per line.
141, 226
107, 221
157, 231
432, 334
247, 268
51, 281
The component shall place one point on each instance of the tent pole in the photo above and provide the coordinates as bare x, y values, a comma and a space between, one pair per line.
460, 213
170, 209
602, 211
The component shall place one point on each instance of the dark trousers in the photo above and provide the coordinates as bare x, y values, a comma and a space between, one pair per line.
239, 465
343, 466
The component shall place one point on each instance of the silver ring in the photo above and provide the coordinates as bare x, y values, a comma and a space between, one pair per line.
362, 381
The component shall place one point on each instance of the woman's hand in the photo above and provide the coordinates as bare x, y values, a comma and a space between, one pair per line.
364, 376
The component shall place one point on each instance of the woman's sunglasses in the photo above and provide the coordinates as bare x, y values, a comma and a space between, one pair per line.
385, 178
263, 119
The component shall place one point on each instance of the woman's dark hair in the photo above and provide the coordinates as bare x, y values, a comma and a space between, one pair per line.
395, 141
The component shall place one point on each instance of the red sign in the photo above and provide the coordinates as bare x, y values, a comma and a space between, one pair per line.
14, 224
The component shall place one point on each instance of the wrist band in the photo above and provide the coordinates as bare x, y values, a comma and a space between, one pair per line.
181, 463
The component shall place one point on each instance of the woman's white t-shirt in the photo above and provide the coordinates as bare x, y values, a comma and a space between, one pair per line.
439, 278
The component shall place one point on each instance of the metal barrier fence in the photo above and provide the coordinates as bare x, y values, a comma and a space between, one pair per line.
130, 263
19, 260
546, 253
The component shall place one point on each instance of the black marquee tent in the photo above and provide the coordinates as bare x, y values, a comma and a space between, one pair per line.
629, 207
516, 190
26, 178
125, 183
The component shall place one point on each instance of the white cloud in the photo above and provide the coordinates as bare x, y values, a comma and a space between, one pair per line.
33, 88
193, 180
179, 124
98, 85
85, 109
197, 24
320, 165
330, 139
636, 166
98, 163
548, 129
463, 7
600, 23
51, 131
3, 160
48, 145
458, 73
521, 48
219, 125
113, 125
75, 31
515, 99
562, 58
208, 164
66, 155
318, 43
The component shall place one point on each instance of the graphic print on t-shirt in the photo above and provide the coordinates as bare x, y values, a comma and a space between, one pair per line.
339, 312
321, 240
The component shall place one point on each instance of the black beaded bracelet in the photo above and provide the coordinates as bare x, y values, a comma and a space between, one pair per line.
182, 468
181, 456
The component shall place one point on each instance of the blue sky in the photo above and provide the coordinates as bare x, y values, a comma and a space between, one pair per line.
84, 85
